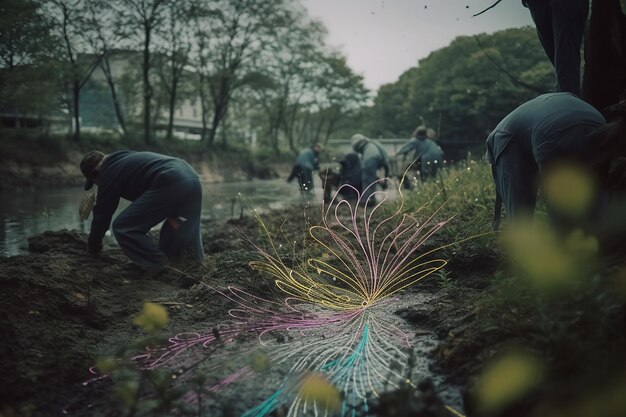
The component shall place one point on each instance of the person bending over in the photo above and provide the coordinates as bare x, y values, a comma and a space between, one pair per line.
161, 188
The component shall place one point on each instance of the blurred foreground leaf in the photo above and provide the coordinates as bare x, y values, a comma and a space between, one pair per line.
153, 317
316, 388
506, 380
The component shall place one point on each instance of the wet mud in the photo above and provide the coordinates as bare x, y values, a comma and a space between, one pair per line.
61, 308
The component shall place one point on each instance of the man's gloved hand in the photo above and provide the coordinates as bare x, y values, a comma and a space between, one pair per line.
94, 247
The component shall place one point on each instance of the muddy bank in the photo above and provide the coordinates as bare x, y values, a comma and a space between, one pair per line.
60, 309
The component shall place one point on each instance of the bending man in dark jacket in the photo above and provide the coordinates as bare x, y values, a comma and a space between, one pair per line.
547, 129
161, 188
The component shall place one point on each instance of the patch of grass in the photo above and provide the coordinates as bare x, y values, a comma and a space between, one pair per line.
463, 195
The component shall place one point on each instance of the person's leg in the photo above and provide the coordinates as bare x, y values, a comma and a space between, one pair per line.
368, 182
301, 178
541, 14
180, 234
132, 225
576, 150
569, 18
307, 179
516, 180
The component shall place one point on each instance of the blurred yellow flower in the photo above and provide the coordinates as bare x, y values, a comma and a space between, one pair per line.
506, 380
260, 362
316, 388
106, 365
550, 262
153, 317
537, 252
582, 245
569, 190
127, 392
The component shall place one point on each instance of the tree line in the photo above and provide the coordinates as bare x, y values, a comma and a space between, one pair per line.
264, 67
268, 58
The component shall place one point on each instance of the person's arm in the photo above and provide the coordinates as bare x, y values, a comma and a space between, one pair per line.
386, 166
103, 210
404, 150
316, 162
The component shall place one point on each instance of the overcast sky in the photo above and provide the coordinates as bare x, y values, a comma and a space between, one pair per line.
384, 38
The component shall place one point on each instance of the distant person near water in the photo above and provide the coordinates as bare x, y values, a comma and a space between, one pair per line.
162, 189
350, 176
373, 158
426, 155
306, 162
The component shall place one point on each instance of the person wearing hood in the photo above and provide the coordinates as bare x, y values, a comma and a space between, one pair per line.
306, 162
427, 156
373, 158
162, 189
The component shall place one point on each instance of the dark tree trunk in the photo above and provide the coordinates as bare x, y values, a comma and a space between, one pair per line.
147, 88
75, 100
172, 109
220, 106
203, 109
106, 68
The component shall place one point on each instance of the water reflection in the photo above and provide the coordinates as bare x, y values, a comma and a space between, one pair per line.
26, 213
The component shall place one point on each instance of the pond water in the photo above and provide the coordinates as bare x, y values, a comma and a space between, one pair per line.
26, 213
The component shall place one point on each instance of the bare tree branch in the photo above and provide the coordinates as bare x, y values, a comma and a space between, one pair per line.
506, 72
488, 8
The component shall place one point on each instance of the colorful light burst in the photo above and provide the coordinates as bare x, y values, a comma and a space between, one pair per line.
334, 318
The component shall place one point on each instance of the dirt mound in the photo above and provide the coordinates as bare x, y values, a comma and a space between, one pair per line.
61, 307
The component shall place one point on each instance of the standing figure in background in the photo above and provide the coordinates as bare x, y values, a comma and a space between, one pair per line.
350, 176
561, 26
306, 162
373, 158
162, 189
427, 156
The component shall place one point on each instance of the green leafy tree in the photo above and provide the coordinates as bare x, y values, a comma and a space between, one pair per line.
139, 20
174, 48
468, 86
231, 35
27, 45
341, 93
288, 65
101, 34
78, 59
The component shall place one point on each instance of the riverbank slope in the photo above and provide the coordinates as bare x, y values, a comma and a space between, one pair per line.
28, 161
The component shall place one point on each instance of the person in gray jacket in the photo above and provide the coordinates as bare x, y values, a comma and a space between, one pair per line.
546, 130
306, 162
162, 189
427, 156
373, 158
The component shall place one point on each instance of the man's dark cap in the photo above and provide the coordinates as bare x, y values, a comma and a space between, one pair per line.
89, 164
